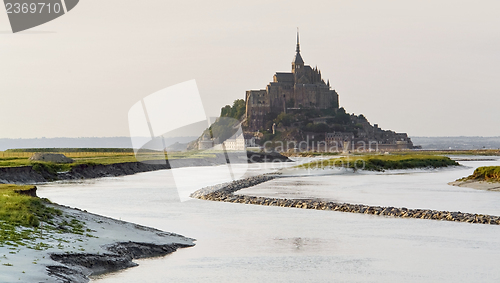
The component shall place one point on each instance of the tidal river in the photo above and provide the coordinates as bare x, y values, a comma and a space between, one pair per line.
251, 243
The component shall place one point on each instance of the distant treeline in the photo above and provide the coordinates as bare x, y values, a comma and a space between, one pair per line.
125, 150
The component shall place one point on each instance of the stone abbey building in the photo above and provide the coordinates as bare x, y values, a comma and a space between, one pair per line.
301, 89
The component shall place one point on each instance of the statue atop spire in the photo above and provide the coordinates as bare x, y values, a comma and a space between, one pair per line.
298, 43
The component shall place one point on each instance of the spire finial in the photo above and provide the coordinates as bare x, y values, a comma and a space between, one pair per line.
298, 44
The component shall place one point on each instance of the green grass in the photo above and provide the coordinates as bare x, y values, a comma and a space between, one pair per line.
16, 158
20, 215
486, 173
21, 219
14, 161
21, 209
88, 159
63, 150
382, 162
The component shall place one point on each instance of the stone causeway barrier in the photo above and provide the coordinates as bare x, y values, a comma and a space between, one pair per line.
225, 192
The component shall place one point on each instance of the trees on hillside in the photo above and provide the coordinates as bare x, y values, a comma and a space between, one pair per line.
236, 111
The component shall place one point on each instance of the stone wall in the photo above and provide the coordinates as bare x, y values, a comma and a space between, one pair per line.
225, 193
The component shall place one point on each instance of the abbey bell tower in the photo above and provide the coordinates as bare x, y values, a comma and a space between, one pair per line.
298, 63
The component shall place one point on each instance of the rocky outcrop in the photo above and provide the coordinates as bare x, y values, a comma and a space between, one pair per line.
225, 193
78, 267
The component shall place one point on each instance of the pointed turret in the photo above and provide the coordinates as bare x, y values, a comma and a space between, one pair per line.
298, 62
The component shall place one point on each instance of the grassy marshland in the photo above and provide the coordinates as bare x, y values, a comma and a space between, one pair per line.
88, 156
25, 220
21, 209
487, 173
18, 157
383, 162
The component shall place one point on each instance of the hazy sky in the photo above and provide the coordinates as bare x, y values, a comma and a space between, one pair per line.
428, 68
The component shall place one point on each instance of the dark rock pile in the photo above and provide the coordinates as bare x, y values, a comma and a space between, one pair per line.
218, 192
77, 267
224, 192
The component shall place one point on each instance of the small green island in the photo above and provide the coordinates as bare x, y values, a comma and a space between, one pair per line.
379, 162
486, 173
484, 178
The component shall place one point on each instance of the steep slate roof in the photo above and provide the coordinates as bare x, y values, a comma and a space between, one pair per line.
284, 77
298, 59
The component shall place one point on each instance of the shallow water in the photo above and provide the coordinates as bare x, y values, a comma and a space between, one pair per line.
250, 243
427, 189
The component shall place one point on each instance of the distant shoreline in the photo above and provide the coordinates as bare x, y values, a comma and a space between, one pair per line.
427, 142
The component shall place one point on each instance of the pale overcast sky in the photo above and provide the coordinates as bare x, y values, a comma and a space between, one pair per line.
428, 68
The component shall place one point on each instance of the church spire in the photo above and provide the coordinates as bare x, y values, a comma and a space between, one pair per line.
298, 62
298, 44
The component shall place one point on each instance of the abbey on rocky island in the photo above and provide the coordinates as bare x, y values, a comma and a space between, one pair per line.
301, 107
303, 88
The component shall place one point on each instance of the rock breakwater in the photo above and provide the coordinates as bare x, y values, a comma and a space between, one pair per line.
225, 193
